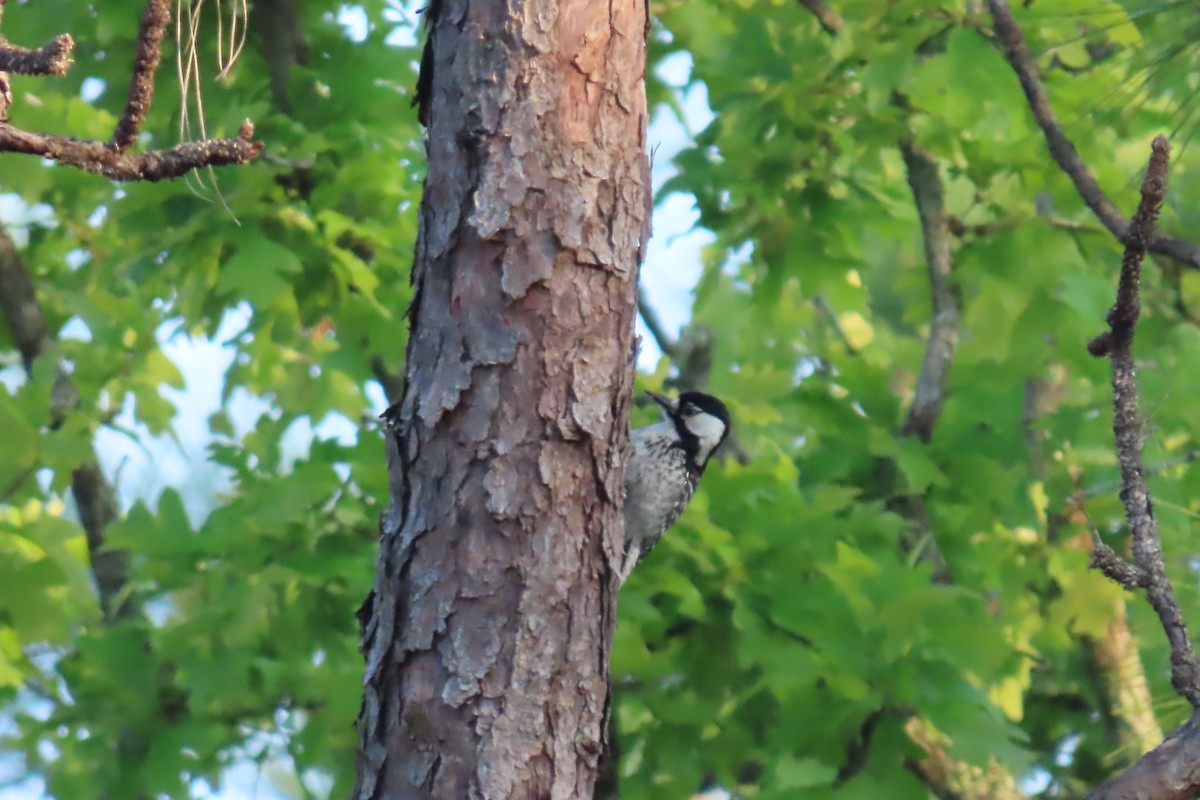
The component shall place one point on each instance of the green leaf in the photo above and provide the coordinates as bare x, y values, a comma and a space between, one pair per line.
803, 773
258, 270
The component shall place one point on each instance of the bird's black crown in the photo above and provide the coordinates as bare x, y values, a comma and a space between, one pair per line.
706, 403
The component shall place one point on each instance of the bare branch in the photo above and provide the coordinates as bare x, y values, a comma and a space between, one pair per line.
1117, 344
827, 311
111, 159
943, 326
831, 21
1062, 149
156, 165
654, 324
141, 84
49, 59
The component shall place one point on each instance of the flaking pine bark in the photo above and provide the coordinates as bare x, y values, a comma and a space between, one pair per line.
487, 634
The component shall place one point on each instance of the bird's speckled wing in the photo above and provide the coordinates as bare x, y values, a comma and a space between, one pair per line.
658, 487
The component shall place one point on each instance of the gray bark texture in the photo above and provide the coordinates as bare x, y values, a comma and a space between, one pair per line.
487, 635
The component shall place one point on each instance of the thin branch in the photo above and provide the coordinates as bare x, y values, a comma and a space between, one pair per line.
654, 324
1154, 469
1108, 561
830, 315
928, 195
94, 496
830, 21
111, 158
1117, 344
155, 165
1062, 149
858, 749
49, 59
926, 186
960, 228
391, 382
141, 83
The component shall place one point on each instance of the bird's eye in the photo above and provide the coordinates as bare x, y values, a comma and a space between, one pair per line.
690, 410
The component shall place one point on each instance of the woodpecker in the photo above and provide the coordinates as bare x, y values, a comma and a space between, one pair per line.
668, 459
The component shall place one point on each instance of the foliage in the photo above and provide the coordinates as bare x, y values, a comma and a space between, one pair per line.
789, 608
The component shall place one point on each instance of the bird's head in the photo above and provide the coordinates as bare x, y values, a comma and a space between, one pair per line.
701, 420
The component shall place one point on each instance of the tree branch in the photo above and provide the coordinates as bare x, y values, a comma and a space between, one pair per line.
1012, 44
943, 326
822, 305
1170, 771
141, 82
1117, 344
53, 58
654, 324
155, 165
1187, 457
391, 382
19, 306
94, 496
830, 21
926, 184
927, 192
110, 158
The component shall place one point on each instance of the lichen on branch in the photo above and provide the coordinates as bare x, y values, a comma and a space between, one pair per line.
1147, 570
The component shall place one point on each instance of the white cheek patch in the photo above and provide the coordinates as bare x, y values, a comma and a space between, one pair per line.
708, 430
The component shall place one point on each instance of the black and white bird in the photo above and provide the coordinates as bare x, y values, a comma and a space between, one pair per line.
668, 459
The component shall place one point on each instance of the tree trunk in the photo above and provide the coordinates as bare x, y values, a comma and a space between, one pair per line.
487, 636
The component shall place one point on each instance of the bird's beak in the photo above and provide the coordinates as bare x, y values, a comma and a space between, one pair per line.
669, 405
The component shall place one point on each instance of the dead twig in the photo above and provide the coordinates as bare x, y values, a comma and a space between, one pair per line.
1147, 569
1012, 44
